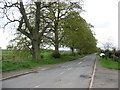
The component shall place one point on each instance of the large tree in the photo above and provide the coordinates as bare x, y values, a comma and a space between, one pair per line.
32, 22
77, 33
59, 11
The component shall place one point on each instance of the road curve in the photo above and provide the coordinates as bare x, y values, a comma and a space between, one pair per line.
72, 74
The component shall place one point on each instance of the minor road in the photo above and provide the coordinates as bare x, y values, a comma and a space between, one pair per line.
72, 74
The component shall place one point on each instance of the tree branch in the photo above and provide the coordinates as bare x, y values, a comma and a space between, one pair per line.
23, 30
49, 38
43, 31
10, 22
24, 15
37, 15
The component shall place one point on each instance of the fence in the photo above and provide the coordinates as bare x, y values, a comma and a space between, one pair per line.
8, 55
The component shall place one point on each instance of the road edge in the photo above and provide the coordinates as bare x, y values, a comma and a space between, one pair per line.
17, 75
93, 74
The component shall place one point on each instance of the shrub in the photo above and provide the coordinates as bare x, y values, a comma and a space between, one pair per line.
108, 54
65, 54
117, 53
41, 56
117, 59
56, 55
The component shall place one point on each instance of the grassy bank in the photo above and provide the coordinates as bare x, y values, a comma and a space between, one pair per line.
15, 65
109, 63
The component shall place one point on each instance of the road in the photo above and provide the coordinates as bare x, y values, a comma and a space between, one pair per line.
72, 74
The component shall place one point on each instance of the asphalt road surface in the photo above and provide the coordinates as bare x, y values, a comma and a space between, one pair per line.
72, 74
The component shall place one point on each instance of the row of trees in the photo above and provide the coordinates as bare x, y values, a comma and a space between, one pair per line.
50, 23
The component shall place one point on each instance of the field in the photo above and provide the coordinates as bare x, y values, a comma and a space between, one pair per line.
10, 63
109, 63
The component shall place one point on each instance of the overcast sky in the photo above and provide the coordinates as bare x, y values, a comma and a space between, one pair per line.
102, 14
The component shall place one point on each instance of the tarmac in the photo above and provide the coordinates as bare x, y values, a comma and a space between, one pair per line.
103, 78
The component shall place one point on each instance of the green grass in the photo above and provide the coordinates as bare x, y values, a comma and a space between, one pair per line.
13, 65
46, 55
109, 63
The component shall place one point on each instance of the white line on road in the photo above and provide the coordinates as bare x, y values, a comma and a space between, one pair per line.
43, 69
79, 62
69, 68
37, 86
62, 72
93, 75
65, 71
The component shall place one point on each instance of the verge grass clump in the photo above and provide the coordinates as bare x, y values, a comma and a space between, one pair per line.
109, 63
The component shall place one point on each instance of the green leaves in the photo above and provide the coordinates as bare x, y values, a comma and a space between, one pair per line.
77, 33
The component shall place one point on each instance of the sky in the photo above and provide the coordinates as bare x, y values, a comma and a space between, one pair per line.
102, 14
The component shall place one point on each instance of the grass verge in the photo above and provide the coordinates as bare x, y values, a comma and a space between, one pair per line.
13, 65
109, 63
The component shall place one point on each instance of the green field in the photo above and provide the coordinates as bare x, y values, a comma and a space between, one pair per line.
29, 63
109, 63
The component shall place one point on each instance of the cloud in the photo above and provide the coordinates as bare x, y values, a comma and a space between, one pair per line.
103, 15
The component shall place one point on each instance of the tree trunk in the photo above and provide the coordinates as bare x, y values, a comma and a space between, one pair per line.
35, 50
56, 54
56, 40
73, 53
56, 48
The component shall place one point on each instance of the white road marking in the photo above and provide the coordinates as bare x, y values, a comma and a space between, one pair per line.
62, 72
65, 71
79, 62
37, 86
43, 69
69, 68
93, 75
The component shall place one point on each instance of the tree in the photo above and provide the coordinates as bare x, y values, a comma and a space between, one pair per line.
58, 12
77, 33
32, 23
108, 44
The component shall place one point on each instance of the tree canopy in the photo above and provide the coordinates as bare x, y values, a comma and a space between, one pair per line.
50, 23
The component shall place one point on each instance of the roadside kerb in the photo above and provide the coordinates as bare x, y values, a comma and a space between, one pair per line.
17, 75
28, 72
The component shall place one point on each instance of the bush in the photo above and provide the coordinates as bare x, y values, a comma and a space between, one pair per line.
79, 53
117, 59
56, 55
41, 56
65, 53
108, 54
117, 53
